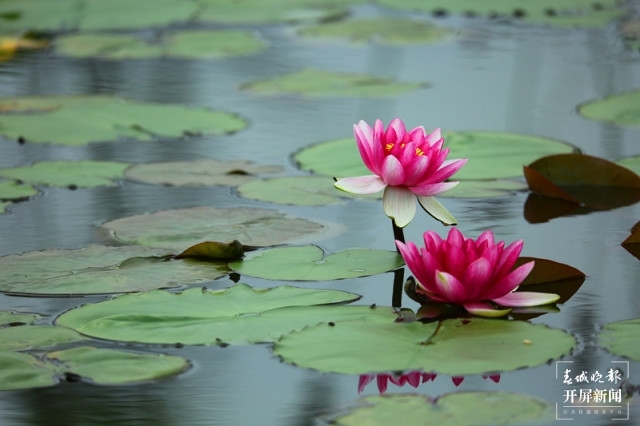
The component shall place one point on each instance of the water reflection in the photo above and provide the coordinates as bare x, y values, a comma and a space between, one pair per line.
411, 378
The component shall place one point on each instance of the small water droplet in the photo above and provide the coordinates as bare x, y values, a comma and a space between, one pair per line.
360, 271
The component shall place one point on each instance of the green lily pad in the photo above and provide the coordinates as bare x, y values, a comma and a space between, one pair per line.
204, 44
98, 270
492, 155
3, 206
314, 83
297, 190
98, 366
622, 338
36, 337
198, 173
78, 120
257, 11
74, 174
92, 14
622, 109
631, 163
384, 30
182, 228
459, 346
561, 13
460, 409
10, 190
237, 315
14, 318
309, 263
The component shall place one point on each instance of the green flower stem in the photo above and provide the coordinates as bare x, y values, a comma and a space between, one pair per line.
398, 233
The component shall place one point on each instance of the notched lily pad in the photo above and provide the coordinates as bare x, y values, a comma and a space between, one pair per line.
203, 44
315, 83
98, 270
383, 30
236, 315
585, 181
622, 338
456, 347
181, 228
199, 173
622, 109
79, 120
310, 263
70, 174
458, 409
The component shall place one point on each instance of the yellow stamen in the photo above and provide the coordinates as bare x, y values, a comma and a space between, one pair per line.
419, 152
388, 147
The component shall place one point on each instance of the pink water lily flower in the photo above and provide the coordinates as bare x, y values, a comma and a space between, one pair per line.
474, 274
406, 165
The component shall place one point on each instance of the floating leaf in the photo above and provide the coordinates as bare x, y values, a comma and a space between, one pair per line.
238, 315
309, 263
622, 338
3, 206
316, 83
36, 337
561, 13
297, 190
202, 44
632, 242
92, 14
82, 119
622, 109
459, 409
492, 155
582, 179
73, 174
22, 371
258, 11
198, 173
459, 347
99, 269
384, 30
177, 229
214, 250
13, 318
10, 190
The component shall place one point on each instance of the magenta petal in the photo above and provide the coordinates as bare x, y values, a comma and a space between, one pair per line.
448, 169
399, 204
432, 189
397, 126
364, 380
477, 275
510, 282
457, 380
526, 298
450, 288
361, 184
392, 171
382, 382
434, 136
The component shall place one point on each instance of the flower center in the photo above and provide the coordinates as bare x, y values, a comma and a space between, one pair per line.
390, 145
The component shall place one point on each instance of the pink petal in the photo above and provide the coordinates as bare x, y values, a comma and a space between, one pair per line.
392, 171
477, 276
418, 135
447, 169
509, 256
410, 254
399, 204
437, 210
434, 136
361, 184
364, 380
398, 128
526, 298
450, 288
432, 189
510, 282
494, 377
367, 147
382, 382
416, 170
484, 309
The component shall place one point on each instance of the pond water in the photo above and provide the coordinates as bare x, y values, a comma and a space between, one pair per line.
496, 76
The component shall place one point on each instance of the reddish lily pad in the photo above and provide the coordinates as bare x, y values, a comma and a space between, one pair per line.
182, 228
214, 250
583, 180
198, 173
631, 163
632, 242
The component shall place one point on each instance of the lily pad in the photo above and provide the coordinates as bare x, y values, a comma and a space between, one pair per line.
315, 83
182, 228
459, 346
73, 174
36, 337
10, 190
98, 270
297, 190
198, 173
460, 409
622, 109
257, 11
561, 13
203, 44
492, 155
79, 120
631, 163
92, 14
622, 338
383, 30
237, 315
13, 318
98, 366
583, 180
309, 263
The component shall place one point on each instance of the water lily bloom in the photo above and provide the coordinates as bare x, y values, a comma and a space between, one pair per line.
474, 274
406, 165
